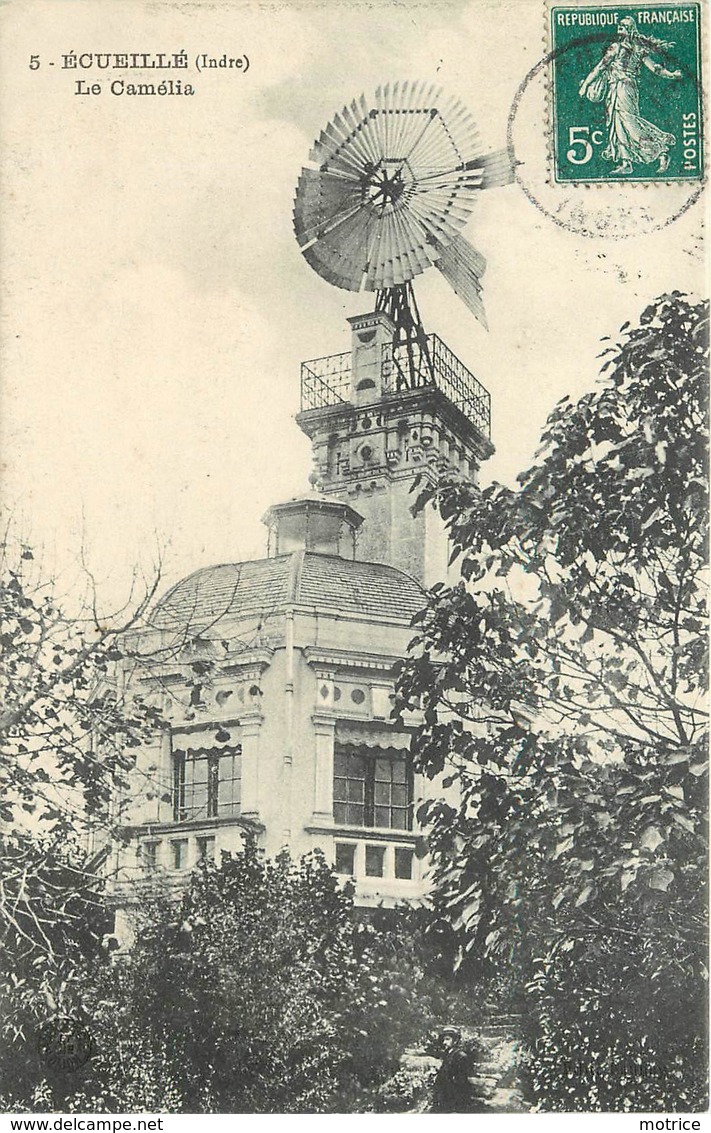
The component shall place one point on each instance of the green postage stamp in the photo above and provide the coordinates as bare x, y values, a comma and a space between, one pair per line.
626, 92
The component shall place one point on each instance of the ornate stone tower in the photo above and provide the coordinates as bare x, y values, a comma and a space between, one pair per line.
373, 432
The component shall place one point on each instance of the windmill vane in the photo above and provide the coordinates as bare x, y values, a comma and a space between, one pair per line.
395, 181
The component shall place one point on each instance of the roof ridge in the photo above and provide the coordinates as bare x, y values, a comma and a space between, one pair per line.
295, 572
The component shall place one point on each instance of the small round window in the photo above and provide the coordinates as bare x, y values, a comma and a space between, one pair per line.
357, 696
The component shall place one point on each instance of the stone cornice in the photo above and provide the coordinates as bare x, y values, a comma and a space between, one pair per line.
253, 660
366, 833
177, 727
190, 826
250, 661
340, 660
429, 397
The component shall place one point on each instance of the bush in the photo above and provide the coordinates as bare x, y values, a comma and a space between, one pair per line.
264, 992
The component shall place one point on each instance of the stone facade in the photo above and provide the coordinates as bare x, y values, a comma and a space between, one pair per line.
369, 449
277, 674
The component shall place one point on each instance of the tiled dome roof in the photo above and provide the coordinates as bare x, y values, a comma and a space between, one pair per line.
304, 578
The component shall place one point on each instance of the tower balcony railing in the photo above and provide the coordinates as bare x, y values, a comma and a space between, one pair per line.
438, 366
327, 381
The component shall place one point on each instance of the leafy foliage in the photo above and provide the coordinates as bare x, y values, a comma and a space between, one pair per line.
65, 730
67, 738
261, 992
563, 687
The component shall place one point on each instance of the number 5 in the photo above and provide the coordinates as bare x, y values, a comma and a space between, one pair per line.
574, 140
34, 62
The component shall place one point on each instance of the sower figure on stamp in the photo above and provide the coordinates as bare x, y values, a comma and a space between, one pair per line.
631, 138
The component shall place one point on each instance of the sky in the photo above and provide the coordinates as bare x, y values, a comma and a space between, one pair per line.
155, 304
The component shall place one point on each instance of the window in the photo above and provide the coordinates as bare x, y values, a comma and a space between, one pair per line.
206, 782
350, 769
372, 789
149, 855
393, 794
403, 863
374, 859
205, 848
345, 858
179, 852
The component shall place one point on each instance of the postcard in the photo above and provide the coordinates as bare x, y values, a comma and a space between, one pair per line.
353, 407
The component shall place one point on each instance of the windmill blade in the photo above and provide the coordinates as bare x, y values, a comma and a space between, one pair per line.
463, 267
320, 199
497, 168
342, 254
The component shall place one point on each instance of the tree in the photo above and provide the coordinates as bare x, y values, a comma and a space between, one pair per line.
67, 737
563, 686
260, 991
72, 717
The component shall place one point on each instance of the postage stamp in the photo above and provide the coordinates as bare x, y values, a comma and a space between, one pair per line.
626, 92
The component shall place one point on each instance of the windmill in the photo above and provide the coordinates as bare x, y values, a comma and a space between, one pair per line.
393, 183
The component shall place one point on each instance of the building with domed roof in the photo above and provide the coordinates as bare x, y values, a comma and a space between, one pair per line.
276, 675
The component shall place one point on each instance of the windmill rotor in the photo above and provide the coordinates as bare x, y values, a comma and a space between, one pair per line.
393, 183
